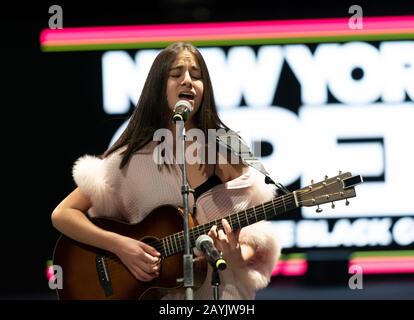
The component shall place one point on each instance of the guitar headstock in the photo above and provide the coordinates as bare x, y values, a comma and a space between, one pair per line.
340, 187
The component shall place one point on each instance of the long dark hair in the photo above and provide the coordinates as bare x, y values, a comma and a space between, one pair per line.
152, 111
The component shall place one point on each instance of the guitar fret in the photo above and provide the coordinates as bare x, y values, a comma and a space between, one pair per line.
190, 238
247, 219
166, 245
198, 231
274, 208
218, 224
165, 249
196, 234
175, 241
238, 219
255, 215
179, 242
264, 211
170, 245
167, 241
283, 200
181, 238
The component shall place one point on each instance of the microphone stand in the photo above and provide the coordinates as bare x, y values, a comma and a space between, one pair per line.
215, 282
188, 270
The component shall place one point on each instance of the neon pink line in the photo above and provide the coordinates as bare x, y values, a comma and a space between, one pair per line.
385, 265
216, 37
303, 27
244, 24
49, 35
294, 267
49, 272
370, 265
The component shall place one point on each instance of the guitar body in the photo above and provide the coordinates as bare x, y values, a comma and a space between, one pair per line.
94, 274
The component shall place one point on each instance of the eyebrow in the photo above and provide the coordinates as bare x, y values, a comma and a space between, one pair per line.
180, 66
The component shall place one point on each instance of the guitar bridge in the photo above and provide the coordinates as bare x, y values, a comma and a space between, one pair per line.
103, 274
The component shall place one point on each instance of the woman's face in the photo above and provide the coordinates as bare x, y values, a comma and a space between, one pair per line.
185, 82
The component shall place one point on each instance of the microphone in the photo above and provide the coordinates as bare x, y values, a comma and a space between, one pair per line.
205, 244
181, 110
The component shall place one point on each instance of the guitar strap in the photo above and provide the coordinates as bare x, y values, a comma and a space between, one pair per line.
233, 142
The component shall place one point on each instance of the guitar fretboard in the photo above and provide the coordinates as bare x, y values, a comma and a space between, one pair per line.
174, 243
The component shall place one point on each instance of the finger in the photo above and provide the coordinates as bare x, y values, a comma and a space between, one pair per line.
147, 258
143, 276
226, 226
150, 267
232, 240
151, 273
213, 231
222, 236
151, 250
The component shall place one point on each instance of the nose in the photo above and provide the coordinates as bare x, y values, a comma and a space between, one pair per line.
187, 81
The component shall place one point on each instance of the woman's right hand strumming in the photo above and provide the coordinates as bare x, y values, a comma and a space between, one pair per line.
69, 217
141, 259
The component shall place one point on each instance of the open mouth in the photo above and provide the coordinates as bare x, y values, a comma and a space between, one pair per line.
186, 95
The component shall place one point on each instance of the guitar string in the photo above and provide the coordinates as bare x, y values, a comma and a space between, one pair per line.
117, 267
243, 219
196, 230
269, 204
114, 262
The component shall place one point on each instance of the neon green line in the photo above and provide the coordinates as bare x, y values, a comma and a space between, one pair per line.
290, 256
391, 253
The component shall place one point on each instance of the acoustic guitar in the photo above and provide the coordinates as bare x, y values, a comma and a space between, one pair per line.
92, 273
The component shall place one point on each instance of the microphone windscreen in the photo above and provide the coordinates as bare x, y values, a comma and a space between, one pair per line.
183, 103
202, 239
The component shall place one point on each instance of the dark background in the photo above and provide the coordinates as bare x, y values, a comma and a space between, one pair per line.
52, 113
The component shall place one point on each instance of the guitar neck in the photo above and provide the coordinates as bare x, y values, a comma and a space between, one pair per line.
174, 243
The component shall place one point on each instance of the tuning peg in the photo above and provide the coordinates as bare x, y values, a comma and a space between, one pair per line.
346, 202
333, 205
319, 209
326, 177
312, 181
339, 172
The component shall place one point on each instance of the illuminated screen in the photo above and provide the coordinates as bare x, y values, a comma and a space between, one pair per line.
325, 99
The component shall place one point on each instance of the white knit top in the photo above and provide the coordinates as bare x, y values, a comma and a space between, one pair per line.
132, 193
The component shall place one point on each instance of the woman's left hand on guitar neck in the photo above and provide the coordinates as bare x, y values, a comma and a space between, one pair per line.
227, 241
